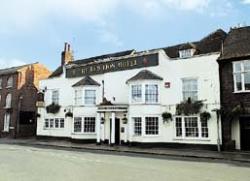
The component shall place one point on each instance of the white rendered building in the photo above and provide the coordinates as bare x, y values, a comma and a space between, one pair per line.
120, 98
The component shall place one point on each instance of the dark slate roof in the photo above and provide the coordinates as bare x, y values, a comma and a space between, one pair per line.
145, 75
237, 44
13, 70
101, 57
57, 72
209, 44
87, 80
187, 46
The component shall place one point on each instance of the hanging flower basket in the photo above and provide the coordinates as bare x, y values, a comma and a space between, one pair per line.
125, 120
205, 116
166, 116
189, 107
53, 108
69, 114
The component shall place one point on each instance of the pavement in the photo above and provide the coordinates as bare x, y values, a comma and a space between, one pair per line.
236, 156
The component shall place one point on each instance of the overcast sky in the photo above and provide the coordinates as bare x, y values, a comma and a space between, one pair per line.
35, 30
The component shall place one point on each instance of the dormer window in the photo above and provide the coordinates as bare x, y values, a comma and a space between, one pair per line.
186, 53
187, 50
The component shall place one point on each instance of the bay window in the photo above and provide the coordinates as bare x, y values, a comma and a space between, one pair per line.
136, 93
241, 73
151, 93
90, 97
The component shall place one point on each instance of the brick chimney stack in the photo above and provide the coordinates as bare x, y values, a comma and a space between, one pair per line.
67, 54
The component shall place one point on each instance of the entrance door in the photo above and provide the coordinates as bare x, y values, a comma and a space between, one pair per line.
117, 130
245, 133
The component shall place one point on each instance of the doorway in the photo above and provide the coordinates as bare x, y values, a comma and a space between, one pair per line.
245, 133
117, 130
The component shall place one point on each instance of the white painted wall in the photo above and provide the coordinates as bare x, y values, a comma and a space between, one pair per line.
205, 68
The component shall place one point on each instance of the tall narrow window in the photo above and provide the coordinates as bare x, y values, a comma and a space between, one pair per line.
89, 125
178, 127
78, 97
204, 129
90, 97
55, 96
8, 101
137, 126
241, 72
61, 123
6, 122
46, 123
10, 81
152, 125
77, 124
136, 93
190, 89
151, 93
191, 127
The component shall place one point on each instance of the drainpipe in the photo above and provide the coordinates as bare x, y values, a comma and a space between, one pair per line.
218, 129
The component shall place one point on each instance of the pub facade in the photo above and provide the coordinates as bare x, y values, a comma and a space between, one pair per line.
166, 96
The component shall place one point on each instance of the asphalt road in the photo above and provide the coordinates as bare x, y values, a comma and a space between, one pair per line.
21, 163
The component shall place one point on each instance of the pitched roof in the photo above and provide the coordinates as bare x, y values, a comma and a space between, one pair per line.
209, 44
237, 44
57, 72
87, 80
145, 75
13, 70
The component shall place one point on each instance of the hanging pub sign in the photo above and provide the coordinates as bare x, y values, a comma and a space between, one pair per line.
112, 66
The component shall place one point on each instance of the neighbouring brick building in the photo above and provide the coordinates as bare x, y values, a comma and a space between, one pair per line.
18, 94
234, 65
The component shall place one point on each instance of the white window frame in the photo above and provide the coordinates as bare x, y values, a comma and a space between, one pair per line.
242, 75
50, 123
82, 120
158, 125
85, 96
78, 93
137, 126
156, 100
190, 91
55, 97
183, 129
10, 81
187, 53
136, 88
8, 100
6, 122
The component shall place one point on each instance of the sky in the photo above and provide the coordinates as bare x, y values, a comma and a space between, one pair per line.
35, 30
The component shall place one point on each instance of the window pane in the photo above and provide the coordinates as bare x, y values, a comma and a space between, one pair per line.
61, 123
190, 89
151, 93
55, 97
77, 124
247, 81
204, 129
238, 81
136, 93
89, 124
90, 97
78, 97
191, 127
137, 126
46, 124
56, 123
178, 126
247, 65
237, 66
51, 123
152, 126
